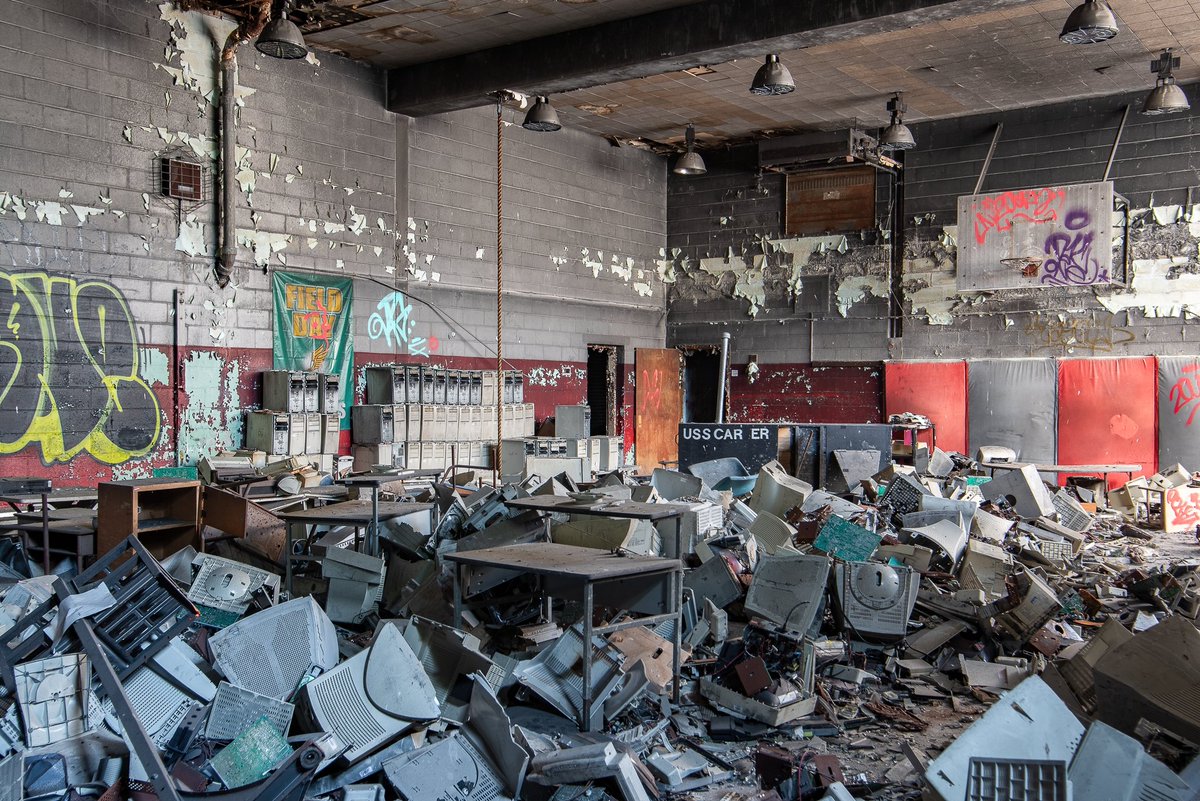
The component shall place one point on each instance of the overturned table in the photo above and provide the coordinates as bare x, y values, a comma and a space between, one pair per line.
648, 585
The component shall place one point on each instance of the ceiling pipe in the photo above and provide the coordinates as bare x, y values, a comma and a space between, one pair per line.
248, 29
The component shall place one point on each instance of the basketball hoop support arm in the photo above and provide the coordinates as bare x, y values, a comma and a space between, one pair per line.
987, 162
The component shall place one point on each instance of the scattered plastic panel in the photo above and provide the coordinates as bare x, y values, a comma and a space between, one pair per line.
1017, 780
234, 710
53, 695
1030, 722
224, 589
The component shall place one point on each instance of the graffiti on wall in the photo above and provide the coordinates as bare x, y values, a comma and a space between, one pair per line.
1185, 393
69, 380
1182, 508
1074, 335
393, 321
1048, 236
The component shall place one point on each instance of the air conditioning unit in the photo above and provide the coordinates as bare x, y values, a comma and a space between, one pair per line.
820, 148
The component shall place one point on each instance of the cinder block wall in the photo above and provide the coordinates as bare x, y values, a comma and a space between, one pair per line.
121, 354
833, 310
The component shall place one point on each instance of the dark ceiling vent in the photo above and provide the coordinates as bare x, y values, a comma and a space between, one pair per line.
820, 149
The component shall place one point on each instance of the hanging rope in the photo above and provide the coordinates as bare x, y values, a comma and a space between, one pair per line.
499, 285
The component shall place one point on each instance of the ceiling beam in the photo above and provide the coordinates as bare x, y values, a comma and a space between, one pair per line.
707, 32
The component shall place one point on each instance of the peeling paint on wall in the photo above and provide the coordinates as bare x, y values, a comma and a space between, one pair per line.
855, 290
154, 367
213, 417
1156, 291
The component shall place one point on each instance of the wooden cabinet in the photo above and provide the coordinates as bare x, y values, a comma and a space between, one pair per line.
164, 514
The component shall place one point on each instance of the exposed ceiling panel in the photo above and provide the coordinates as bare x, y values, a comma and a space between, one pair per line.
1007, 56
394, 33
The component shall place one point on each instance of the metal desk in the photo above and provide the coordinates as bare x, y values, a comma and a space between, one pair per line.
375, 481
357, 514
1104, 470
627, 510
51, 499
567, 571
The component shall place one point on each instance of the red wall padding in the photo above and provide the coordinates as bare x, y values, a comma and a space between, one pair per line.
1106, 413
937, 390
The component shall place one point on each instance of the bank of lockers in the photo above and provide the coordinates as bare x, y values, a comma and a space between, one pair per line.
574, 421
283, 390
387, 385
329, 398
439, 386
390, 454
269, 432
427, 381
312, 392
283, 434
372, 424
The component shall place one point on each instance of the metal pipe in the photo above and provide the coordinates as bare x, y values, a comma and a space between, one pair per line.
721, 377
250, 27
228, 255
176, 373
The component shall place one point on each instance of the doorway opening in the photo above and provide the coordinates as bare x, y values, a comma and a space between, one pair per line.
701, 377
604, 388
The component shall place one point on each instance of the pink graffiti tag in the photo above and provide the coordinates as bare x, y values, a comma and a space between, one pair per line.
1183, 508
1032, 205
654, 388
1186, 391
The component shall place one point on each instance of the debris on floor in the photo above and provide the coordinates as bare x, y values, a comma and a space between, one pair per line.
709, 633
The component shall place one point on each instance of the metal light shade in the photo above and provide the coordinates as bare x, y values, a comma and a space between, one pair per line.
1166, 98
772, 78
897, 137
690, 163
542, 117
1091, 22
281, 39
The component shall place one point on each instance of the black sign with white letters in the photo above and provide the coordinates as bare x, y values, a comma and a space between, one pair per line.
755, 444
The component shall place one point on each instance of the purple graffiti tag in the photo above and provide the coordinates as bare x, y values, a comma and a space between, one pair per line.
1071, 262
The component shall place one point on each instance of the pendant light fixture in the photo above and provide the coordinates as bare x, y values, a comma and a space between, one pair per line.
772, 78
542, 116
1167, 97
897, 136
1091, 22
690, 162
281, 38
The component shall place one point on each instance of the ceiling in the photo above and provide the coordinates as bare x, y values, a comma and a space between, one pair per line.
1001, 58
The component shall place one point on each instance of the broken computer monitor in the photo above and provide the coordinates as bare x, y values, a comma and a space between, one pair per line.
876, 600
480, 762
374, 696
271, 651
788, 590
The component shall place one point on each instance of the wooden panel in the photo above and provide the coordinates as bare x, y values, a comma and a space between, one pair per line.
658, 403
831, 201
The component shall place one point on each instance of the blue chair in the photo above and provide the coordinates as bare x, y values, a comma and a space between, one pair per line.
725, 474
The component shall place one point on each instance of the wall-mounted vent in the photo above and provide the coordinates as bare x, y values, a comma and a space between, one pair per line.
181, 179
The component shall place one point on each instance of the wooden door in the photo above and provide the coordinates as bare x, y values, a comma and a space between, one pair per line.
658, 403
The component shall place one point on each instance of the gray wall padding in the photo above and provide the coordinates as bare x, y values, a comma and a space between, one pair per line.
1179, 411
1013, 402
